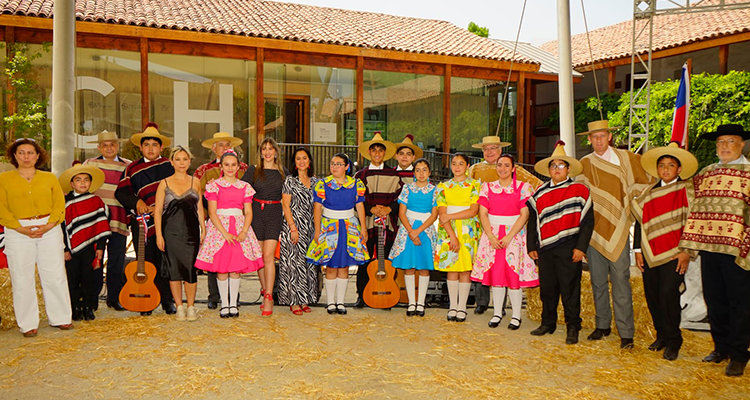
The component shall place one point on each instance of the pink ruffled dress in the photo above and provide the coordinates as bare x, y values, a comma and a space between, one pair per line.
216, 254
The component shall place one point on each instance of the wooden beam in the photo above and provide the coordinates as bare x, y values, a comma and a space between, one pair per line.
548, 77
482, 73
35, 36
611, 77
321, 60
360, 100
260, 101
723, 59
145, 109
397, 66
447, 112
521, 115
251, 41
108, 43
214, 50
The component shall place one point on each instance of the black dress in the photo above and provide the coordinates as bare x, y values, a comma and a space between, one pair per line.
182, 234
266, 217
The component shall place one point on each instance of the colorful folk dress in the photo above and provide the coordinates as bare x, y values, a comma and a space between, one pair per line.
419, 203
510, 267
456, 197
339, 224
216, 255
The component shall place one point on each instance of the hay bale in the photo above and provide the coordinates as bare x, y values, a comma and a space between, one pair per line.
6, 301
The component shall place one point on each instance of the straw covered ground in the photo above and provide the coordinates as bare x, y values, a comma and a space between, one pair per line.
371, 354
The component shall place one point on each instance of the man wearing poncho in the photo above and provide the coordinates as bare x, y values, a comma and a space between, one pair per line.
718, 227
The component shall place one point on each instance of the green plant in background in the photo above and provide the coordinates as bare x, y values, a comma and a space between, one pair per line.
587, 111
479, 30
30, 117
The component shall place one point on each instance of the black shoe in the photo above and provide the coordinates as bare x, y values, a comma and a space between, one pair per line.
222, 314
598, 334
420, 310
331, 309
236, 312
480, 310
513, 326
212, 305
671, 353
736, 368
77, 314
360, 303
626, 343
459, 317
495, 321
145, 313
411, 310
340, 309
657, 345
115, 305
452, 317
543, 330
572, 337
715, 357
169, 308
88, 314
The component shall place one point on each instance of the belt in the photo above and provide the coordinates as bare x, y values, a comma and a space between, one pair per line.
455, 209
37, 217
338, 214
507, 220
419, 216
229, 212
264, 202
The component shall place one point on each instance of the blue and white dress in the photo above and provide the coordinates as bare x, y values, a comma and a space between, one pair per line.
419, 203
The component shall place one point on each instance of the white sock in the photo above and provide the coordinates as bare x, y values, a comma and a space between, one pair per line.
424, 282
463, 294
516, 300
498, 297
223, 292
341, 289
453, 294
330, 291
410, 289
234, 290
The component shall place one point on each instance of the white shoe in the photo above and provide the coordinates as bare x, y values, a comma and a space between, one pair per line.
192, 315
180, 312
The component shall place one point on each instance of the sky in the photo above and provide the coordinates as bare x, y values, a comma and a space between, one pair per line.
500, 16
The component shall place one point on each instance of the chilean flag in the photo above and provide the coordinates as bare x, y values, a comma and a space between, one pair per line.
682, 109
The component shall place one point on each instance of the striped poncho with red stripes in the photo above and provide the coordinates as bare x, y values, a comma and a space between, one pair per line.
560, 213
86, 222
139, 182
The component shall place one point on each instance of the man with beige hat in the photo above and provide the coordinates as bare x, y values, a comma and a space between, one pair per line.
218, 143
614, 176
113, 166
406, 153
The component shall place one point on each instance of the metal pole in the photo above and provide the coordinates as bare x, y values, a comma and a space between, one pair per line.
63, 85
565, 82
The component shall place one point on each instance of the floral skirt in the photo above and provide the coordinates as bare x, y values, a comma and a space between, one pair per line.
467, 231
406, 255
217, 255
510, 267
339, 245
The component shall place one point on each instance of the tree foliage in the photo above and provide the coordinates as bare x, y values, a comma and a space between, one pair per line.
586, 111
479, 30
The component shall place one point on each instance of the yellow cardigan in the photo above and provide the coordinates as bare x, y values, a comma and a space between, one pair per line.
21, 199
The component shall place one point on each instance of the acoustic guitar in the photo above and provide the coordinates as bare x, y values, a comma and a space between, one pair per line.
140, 293
401, 282
381, 291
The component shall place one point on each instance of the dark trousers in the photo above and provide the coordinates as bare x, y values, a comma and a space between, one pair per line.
213, 288
82, 283
560, 277
482, 294
372, 246
661, 286
726, 289
115, 264
154, 256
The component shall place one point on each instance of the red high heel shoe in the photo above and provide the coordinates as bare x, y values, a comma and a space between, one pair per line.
262, 296
267, 296
297, 311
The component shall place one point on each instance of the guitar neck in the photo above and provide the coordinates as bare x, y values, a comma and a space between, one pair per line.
381, 248
141, 249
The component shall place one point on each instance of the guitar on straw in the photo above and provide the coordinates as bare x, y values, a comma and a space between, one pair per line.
381, 291
140, 293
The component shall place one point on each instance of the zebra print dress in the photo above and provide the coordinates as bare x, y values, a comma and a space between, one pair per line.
297, 279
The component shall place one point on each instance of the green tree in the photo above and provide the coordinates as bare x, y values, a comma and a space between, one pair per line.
479, 30
586, 111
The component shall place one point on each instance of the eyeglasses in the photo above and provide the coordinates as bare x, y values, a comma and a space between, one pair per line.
726, 142
336, 165
557, 166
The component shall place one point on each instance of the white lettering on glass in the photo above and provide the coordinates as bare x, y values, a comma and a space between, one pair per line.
183, 115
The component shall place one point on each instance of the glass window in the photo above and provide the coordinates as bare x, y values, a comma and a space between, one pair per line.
475, 110
191, 98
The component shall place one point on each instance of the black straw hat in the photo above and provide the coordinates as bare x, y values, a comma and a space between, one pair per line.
727, 129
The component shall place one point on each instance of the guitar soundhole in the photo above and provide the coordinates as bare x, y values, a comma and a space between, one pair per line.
381, 275
140, 278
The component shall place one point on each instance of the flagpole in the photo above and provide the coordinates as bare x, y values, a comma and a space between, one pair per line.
689, 63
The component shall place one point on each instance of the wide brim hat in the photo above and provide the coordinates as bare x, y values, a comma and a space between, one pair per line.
221, 137
488, 140
727, 129
106, 136
390, 148
408, 142
687, 160
97, 177
150, 132
596, 126
542, 166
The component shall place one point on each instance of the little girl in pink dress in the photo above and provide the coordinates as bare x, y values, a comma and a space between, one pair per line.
230, 247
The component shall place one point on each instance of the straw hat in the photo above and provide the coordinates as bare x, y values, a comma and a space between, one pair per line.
726, 129
688, 161
542, 167
151, 131
390, 148
595, 126
97, 177
408, 142
221, 137
487, 140
106, 136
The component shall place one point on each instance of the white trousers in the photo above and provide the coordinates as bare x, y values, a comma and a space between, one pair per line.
46, 253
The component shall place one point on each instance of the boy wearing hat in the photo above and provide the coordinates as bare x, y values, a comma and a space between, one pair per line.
219, 143
383, 186
561, 221
717, 228
85, 231
406, 153
661, 211
137, 194
113, 166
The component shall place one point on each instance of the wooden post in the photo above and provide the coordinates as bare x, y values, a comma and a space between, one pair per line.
447, 112
145, 109
360, 100
531, 145
10, 39
723, 59
521, 115
611, 77
260, 101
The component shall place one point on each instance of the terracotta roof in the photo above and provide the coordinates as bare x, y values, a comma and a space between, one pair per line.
615, 41
285, 21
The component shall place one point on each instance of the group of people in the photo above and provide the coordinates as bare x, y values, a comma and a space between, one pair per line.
486, 226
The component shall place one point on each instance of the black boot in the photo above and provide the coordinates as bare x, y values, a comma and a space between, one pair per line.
88, 314
572, 337
77, 314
